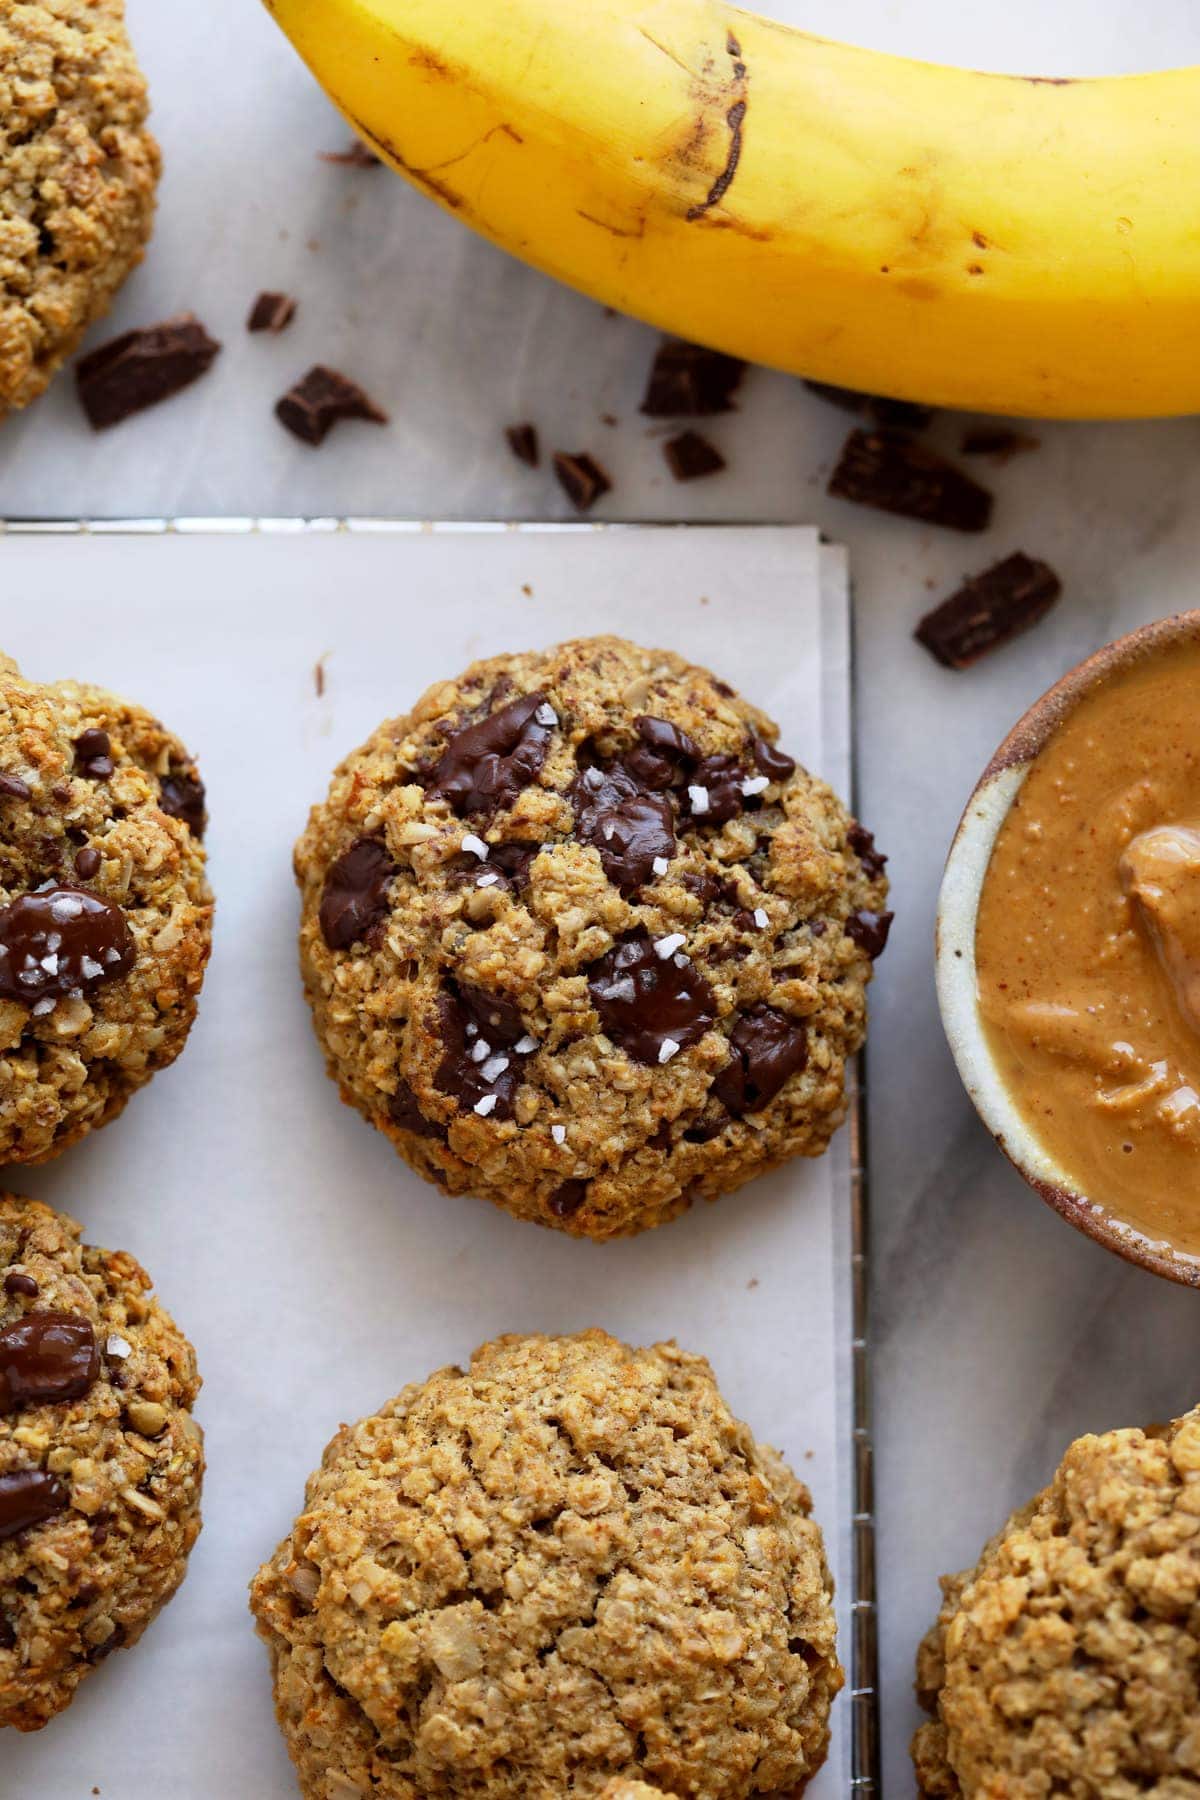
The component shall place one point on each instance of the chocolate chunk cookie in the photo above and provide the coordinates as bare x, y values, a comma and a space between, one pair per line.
565, 1565
105, 913
581, 938
78, 170
100, 1458
1067, 1661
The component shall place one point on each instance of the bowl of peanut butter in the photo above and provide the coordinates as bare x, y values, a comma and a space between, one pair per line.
1068, 947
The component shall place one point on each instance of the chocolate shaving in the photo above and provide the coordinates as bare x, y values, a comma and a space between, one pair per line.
140, 368
523, 442
893, 472
271, 312
581, 478
311, 408
689, 382
689, 456
989, 610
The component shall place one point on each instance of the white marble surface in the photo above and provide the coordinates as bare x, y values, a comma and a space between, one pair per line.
998, 1332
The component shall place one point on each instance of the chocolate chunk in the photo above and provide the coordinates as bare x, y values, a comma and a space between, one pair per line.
862, 842
688, 381
140, 368
997, 441
485, 766
902, 415
497, 1018
480, 1065
869, 931
27, 1497
629, 827
311, 408
46, 1357
714, 791
61, 940
523, 442
581, 478
354, 898
664, 755
404, 1111
689, 456
181, 796
93, 756
567, 1199
769, 760
893, 472
765, 1048
271, 312
705, 1131
647, 1003
508, 864
356, 156
14, 788
15, 1282
989, 610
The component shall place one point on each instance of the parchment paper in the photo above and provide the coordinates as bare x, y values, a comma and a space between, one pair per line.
314, 1273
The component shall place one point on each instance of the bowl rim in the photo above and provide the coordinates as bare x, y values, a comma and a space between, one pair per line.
954, 947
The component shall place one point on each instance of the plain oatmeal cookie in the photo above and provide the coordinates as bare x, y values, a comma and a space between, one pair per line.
105, 913
100, 1458
1067, 1662
580, 938
566, 1564
78, 171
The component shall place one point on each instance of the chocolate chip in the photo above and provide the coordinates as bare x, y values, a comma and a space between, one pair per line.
893, 472
862, 842
647, 1003
404, 1111
271, 312
46, 1357
581, 478
902, 415
765, 1048
523, 442
14, 788
181, 796
989, 610
567, 1199
479, 1032
61, 940
486, 765
506, 870
629, 827
997, 441
714, 791
664, 755
689, 456
354, 898
771, 761
320, 400
869, 931
688, 381
705, 1131
96, 1653
356, 156
93, 755
15, 1282
27, 1497
87, 863
140, 368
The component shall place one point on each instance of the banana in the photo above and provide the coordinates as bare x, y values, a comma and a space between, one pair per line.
990, 242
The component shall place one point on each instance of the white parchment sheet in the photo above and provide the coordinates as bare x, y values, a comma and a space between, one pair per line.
314, 1273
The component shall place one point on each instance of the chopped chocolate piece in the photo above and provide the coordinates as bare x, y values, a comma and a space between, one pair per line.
181, 796
714, 789
705, 1131
27, 1496
404, 1111
664, 755
567, 1199
497, 1017
506, 870
271, 312
46, 1357
901, 415
689, 382
486, 765
61, 940
14, 788
647, 1004
93, 755
765, 1048
893, 472
988, 610
315, 404
771, 761
629, 827
17, 1283
581, 478
356, 156
689, 456
869, 931
862, 842
998, 441
140, 368
87, 863
354, 899
481, 1061
523, 442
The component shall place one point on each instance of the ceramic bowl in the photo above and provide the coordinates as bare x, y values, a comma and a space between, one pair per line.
958, 906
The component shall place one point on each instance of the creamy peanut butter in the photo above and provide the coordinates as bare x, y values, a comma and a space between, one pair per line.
1088, 946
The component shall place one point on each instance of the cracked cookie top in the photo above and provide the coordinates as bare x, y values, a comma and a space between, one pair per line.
563, 1565
581, 937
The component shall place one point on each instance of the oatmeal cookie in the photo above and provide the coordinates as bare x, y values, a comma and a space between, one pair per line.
632, 1790
565, 1564
78, 170
105, 913
100, 1458
1067, 1661
581, 939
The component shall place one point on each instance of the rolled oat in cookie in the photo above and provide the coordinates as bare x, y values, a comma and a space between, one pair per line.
105, 912
1067, 1661
100, 1459
563, 1567
581, 938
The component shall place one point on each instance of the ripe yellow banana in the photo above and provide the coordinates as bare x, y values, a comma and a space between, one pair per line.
982, 241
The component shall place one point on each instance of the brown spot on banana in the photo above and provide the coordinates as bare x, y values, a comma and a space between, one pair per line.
735, 119
424, 178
